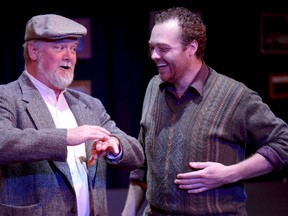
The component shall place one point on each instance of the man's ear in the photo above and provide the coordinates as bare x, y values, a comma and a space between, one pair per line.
32, 51
193, 47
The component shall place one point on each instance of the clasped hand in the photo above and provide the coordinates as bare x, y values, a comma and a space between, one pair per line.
101, 148
103, 142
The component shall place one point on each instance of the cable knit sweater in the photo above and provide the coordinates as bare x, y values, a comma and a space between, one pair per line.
215, 126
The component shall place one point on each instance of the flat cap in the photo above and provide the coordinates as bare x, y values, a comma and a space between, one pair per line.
53, 27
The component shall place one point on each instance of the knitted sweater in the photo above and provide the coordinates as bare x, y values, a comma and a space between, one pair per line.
216, 126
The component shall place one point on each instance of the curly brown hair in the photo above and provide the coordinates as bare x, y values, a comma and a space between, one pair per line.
191, 24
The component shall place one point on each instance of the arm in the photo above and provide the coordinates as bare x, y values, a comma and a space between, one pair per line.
210, 175
119, 148
252, 167
135, 198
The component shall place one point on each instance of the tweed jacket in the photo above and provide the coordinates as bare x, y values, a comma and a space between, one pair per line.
34, 175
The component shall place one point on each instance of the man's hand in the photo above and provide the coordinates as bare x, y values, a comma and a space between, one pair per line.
101, 148
207, 175
81, 134
210, 175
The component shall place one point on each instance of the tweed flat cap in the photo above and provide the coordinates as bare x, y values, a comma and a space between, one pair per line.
53, 27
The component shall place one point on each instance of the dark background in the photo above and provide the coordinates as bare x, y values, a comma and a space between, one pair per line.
120, 67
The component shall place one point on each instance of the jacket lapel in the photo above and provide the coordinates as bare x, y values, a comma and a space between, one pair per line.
79, 110
40, 114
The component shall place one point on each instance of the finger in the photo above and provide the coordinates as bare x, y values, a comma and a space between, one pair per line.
198, 190
100, 136
91, 161
191, 186
101, 129
198, 165
115, 149
94, 152
101, 146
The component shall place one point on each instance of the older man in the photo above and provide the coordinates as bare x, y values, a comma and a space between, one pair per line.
55, 141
